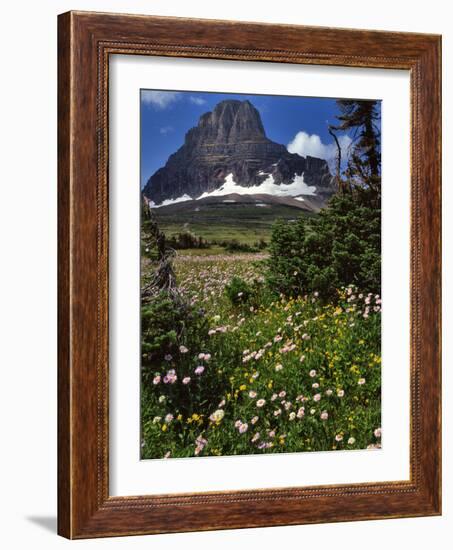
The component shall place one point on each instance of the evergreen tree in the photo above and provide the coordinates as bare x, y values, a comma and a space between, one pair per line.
339, 247
361, 120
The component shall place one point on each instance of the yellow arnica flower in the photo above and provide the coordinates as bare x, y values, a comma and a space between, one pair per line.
164, 427
243, 387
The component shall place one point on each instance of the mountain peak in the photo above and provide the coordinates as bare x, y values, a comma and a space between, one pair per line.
231, 121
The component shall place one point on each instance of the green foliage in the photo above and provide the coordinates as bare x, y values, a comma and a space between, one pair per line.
186, 240
340, 247
238, 291
173, 335
167, 324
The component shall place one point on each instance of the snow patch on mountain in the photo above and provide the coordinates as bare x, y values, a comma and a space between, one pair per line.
267, 187
167, 202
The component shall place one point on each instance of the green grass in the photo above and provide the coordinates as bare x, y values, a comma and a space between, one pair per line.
248, 224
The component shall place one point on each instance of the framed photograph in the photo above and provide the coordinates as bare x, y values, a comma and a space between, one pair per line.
249, 275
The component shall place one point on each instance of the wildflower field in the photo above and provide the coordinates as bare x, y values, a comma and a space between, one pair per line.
232, 366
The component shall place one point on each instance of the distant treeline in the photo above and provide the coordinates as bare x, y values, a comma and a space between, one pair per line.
186, 239
236, 246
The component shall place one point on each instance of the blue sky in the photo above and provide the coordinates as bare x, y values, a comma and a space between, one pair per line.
298, 122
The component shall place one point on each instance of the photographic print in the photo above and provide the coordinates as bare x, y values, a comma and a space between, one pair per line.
260, 274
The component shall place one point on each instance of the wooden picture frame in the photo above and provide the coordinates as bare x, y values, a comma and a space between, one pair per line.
85, 41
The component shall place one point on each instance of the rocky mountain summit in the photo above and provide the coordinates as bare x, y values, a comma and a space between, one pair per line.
230, 144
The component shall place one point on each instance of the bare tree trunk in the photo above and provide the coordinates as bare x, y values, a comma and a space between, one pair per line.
164, 277
340, 186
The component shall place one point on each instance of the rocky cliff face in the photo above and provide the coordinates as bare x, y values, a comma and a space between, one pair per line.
231, 140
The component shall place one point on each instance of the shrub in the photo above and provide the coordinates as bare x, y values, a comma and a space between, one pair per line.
235, 246
174, 334
238, 291
339, 247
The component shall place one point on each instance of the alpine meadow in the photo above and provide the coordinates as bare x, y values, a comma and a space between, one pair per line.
260, 274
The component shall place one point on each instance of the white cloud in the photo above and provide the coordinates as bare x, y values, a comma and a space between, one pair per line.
159, 100
305, 144
166, 130
197, 100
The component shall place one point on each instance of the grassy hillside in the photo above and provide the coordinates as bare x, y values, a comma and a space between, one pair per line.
247, 223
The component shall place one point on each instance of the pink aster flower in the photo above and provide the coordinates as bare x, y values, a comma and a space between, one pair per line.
317, 397
340, 393
156, 379
361, 381
254, 419
168, 357
183, 349
200, 443
186, 380
377, 432
312, 373
199, 370
324, 415
252, 394
260, 403
338, 437
170, 377
243, 428
282, 394
255, 437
